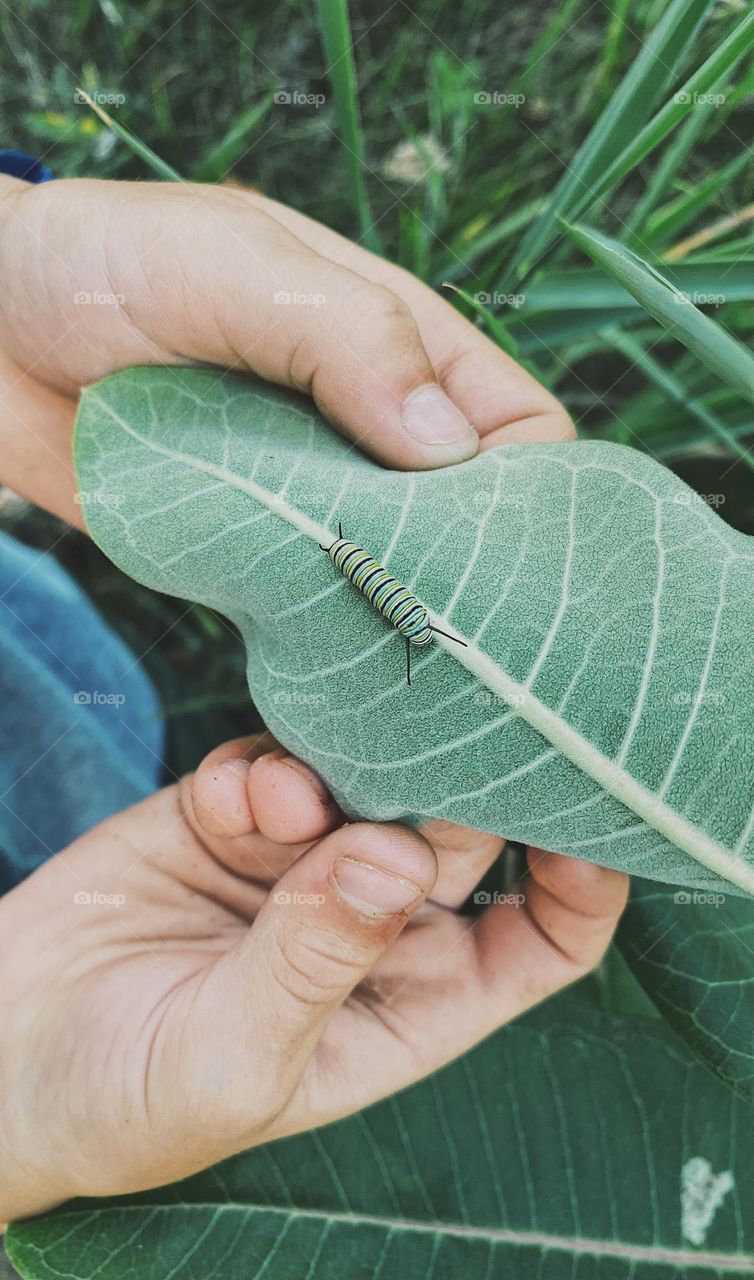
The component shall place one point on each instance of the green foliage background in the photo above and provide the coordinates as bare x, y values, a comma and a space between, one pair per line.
199, 83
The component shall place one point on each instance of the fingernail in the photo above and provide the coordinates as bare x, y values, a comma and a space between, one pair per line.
370, 890
431, 417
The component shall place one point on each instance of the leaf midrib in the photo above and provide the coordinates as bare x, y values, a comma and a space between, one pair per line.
659, 1255
611, 777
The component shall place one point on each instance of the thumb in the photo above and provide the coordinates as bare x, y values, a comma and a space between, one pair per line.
329, 920
202, 273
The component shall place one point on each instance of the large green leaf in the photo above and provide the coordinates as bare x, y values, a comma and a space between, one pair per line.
603, 702
571, 1146
695, 958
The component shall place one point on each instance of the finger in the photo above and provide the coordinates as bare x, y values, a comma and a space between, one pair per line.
240, 788
550, 931
575, 906
219, 795
504, 402
199, 273
215, 803
35, 442
251, 785
329, 920
464, 856
448, 985
289, 801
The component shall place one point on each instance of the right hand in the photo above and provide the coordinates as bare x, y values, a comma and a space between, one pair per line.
229, 962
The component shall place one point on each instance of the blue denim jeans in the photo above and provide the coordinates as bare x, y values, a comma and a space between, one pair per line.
81, 734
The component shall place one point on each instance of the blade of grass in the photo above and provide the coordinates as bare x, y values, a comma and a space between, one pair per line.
579, 289
722, 61
431, 190
729, 359
670, 163
648, 78
673, 217
139, 148
469, 251
413, 244
720, 228
335, 30
675, 390
220, 158
544, 335
495, 327
729, 255
615, 38
537, 59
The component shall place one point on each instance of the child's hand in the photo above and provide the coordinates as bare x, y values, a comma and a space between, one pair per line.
97, 276
228, 962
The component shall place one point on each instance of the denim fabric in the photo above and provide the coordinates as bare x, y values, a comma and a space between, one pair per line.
81, 735
19, 164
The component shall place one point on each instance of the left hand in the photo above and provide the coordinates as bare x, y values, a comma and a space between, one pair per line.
229, 962
100, 275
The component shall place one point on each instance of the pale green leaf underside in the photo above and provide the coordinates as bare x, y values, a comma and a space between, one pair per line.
503, 1165
605, 702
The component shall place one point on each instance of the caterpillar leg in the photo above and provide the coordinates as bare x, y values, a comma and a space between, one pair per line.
408, 662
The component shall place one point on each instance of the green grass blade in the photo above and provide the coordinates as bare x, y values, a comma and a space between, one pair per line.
710, 235
675, 390
468, 251
670, 220
670, 164
562, 18
719, 63
542, 336
630, 107
707, 339
139, 148
495, 327
335, 30
224, 154
578, 289
615, 37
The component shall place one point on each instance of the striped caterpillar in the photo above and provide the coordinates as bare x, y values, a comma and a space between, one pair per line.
385, 593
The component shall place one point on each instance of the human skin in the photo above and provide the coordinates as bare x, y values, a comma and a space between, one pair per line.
197, 270
250, 965
141, 1042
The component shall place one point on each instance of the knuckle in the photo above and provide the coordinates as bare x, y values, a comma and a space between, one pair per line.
304, 362
315, 965
379, 312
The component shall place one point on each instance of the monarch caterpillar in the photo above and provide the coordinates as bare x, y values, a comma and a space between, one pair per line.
385, 593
